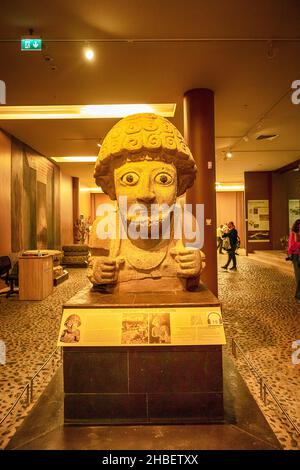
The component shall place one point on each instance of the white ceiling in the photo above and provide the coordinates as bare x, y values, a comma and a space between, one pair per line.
248, 84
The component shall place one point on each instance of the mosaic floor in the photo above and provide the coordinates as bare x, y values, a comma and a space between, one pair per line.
262, 315
29, 330
259, 312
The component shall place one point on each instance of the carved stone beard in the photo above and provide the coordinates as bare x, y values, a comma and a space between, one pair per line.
154, 230
147, 254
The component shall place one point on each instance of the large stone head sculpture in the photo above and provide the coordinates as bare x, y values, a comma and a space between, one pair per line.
145, 159
144, 137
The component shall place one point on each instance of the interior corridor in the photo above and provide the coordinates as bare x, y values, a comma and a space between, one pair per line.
259, 312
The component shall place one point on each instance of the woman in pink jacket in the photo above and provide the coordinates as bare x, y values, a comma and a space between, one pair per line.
293, 251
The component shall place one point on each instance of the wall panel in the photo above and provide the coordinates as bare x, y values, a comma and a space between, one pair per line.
5, 194
17, 243
66, 209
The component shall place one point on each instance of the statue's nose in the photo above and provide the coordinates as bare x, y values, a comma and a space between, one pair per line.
146, 197
146, 194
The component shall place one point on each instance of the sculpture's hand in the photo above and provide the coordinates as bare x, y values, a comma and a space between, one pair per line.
191, 262
104, 270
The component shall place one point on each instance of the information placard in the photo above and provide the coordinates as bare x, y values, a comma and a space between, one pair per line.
258, 220
141, 326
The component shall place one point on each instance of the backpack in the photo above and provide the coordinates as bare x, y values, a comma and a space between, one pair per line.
226, 244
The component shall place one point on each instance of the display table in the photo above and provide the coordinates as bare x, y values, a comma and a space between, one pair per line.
35, 277
59, 274
142, 357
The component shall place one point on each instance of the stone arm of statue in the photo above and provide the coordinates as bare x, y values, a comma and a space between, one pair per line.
103, 269
191, 262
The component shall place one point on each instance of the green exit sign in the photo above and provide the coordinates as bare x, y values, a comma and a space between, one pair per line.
31, 44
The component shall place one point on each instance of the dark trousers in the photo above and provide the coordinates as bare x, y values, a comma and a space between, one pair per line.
297, 275
231, 257
220, 244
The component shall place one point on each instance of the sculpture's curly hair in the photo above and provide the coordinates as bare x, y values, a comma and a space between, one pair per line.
144, 137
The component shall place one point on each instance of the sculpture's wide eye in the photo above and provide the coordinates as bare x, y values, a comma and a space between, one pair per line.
163, 178
130, 178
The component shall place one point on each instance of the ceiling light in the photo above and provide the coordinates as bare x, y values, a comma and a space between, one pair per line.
91, 190
89, 54
90, 159
123, 110
228, 154
230, 187
99, 145
84, 112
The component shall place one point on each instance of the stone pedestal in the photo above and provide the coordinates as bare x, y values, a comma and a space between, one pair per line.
142, 384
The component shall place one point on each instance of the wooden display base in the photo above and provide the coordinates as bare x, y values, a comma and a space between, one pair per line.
142, 384
63, 277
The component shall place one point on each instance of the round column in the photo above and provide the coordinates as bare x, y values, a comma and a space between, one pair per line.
199, 132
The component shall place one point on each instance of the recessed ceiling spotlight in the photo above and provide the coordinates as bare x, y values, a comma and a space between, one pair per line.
228, 154
267, 136
89, 53
99, 145
246, 138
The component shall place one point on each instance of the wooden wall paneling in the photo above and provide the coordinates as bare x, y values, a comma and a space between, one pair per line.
5, 194
16, 196
75, 198
50, 210
66, 209
280, 219
33, 198
41, 216
56, 207
292, 182
28, 205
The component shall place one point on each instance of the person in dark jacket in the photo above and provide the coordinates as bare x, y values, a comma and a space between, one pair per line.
233, 238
